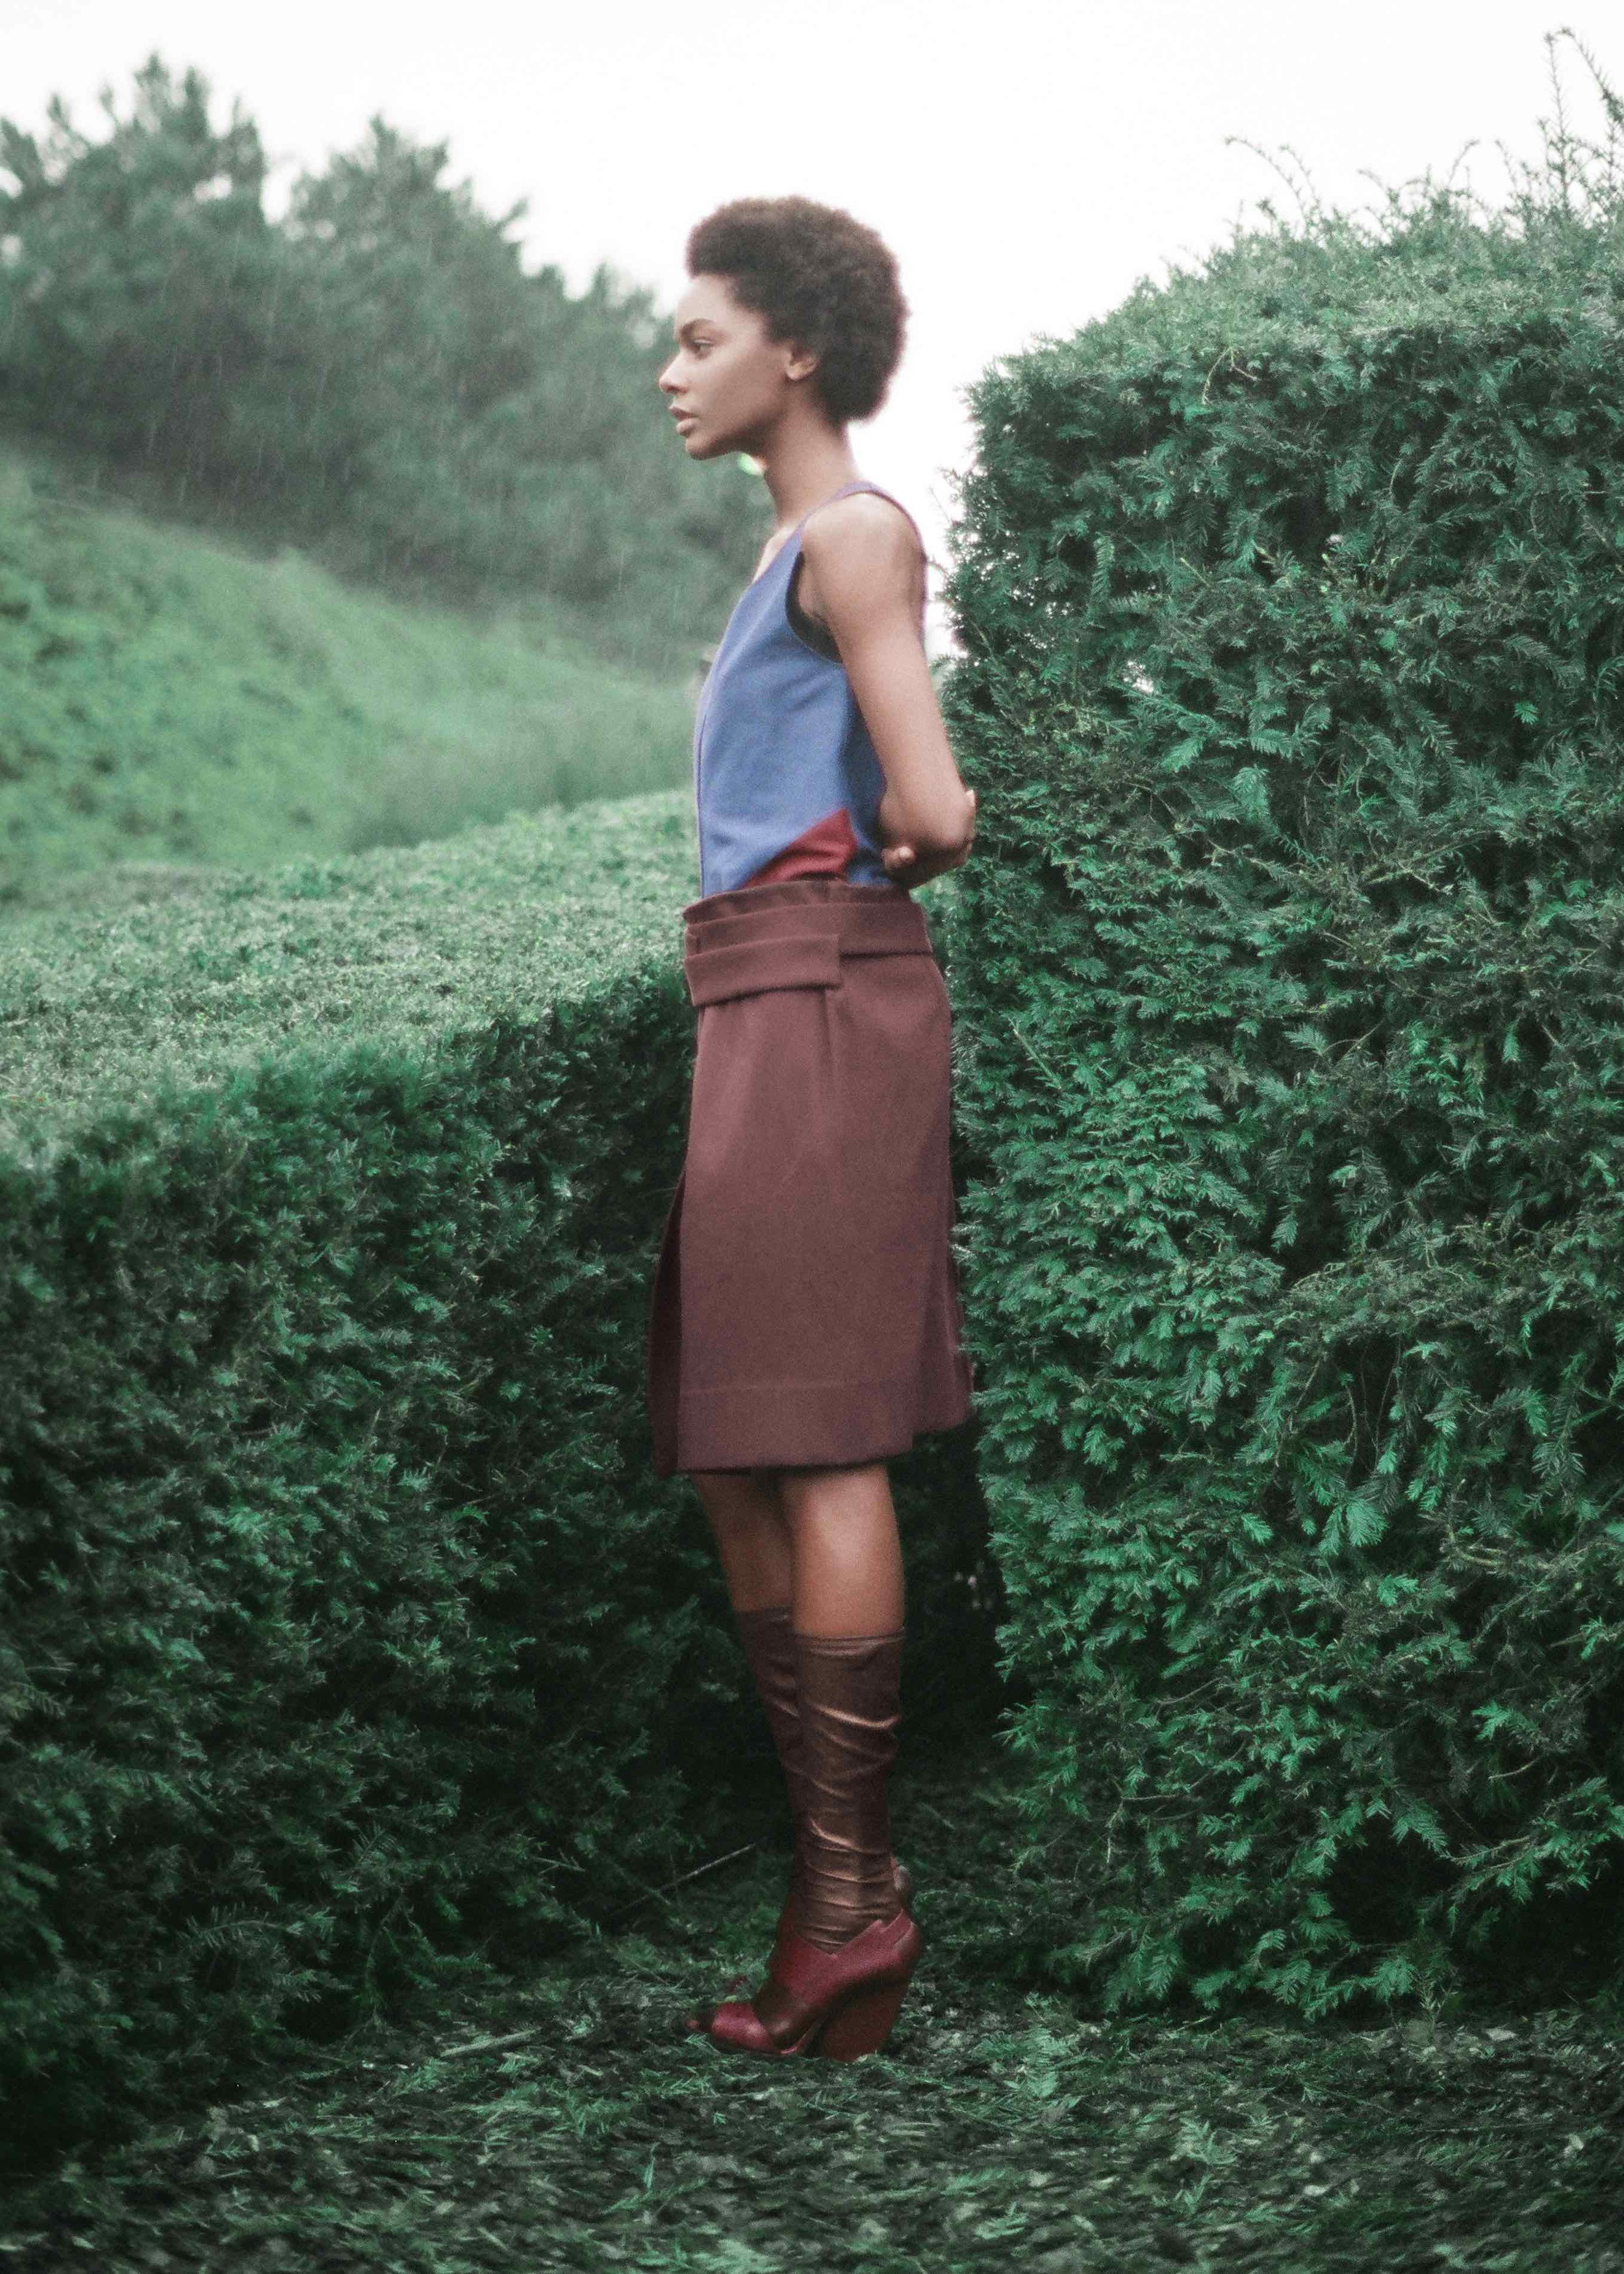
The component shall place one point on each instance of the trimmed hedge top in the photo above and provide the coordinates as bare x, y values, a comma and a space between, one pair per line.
1434, 269
199, 972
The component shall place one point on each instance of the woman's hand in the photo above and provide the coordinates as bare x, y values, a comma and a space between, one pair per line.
905, 866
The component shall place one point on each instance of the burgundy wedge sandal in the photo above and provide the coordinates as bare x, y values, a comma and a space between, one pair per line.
841, 2004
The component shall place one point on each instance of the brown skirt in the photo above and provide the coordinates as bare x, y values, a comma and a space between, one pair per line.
805, 1310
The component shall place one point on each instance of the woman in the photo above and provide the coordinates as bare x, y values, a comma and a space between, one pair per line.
805, 1323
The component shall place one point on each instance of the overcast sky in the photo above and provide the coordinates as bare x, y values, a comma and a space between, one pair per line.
1028, 160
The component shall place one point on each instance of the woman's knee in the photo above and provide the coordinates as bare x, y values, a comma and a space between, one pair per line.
830, 1493
738, 1501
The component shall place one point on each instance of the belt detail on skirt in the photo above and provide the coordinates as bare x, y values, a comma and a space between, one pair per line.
805, 1311
759, 953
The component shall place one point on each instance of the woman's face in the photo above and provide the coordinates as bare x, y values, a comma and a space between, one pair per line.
727, 381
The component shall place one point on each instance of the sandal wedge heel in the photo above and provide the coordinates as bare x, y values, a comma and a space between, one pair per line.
861, 2026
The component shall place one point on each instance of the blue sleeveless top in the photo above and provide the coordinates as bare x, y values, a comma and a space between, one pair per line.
779, 743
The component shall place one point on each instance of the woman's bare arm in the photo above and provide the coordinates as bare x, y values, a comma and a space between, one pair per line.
861, 580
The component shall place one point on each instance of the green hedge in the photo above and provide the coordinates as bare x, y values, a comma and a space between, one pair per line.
1292, 612
349, 1640
347, 1633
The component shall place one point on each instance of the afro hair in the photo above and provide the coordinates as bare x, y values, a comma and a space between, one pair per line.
818, 277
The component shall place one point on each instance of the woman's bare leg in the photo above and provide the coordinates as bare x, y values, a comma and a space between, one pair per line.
822, 1539
845, 1556
746, 1518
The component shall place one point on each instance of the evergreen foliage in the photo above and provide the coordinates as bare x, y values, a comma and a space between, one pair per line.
352, 1644
375, 375
1294, 1085
347, 1632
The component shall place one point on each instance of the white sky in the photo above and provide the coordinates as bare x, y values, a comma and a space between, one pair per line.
1028, 160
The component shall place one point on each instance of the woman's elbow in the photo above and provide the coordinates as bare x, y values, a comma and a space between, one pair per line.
946, 836
938, 826
947, 846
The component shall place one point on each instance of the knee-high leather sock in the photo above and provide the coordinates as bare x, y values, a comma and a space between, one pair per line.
847, 1688
770, 1648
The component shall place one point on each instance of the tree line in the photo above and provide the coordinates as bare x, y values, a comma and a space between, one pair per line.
373, 374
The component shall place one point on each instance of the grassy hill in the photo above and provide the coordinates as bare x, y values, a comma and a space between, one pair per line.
167, 700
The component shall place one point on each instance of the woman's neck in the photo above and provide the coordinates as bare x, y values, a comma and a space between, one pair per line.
803, 467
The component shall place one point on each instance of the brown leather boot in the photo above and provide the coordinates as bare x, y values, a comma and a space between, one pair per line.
847, 1689
769, 1648
837, 1978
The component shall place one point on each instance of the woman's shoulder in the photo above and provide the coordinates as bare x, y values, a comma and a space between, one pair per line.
871, 520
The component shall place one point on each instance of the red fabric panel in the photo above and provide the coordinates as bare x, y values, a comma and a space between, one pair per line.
823, 850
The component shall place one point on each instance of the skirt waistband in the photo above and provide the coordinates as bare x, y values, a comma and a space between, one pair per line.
794, 892
768, 937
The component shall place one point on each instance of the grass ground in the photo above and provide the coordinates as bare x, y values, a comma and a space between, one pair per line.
166, 697
568, 2121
